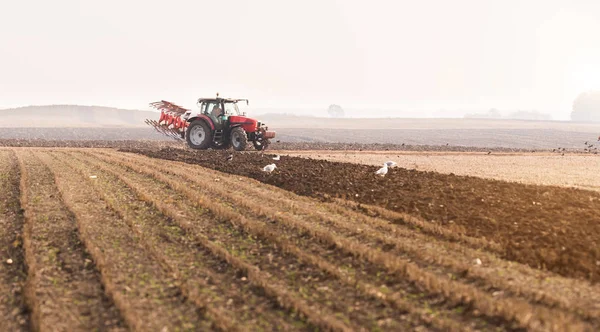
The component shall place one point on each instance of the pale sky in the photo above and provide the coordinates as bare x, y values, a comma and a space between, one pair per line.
397, 54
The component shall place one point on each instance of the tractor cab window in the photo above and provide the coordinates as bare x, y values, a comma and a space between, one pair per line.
213, 109
231, 109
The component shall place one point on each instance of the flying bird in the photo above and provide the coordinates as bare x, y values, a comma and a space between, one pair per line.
390, 163
382, 171
277, 157
269, 168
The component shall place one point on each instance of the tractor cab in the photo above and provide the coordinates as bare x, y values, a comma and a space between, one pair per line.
219, 110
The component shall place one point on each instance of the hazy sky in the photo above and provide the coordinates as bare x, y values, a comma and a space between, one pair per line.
410, 55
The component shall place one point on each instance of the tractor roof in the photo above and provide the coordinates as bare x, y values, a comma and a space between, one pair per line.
225, 100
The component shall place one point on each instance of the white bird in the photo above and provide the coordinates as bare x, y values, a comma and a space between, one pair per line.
382, 171
230, 157
277, 157
269, 168
390, 163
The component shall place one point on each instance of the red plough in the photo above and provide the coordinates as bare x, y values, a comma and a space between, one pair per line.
170, 122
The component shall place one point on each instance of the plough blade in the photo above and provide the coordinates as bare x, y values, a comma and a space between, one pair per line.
165, 130
170, 123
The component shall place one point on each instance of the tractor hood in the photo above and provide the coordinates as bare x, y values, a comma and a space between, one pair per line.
248, 124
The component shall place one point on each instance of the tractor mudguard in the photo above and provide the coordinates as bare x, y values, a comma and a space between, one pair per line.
204, 118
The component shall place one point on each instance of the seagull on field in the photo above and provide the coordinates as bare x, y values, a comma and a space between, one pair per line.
382, 171
390, 163
269, 168
230, 157
277, 157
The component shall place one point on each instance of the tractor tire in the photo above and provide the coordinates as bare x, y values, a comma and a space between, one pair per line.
198, 135
239, 139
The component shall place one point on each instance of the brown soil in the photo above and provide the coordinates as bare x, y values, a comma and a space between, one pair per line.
545, 227
182, 247
13, 272
543, 168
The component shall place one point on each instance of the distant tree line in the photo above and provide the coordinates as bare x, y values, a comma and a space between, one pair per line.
518, 115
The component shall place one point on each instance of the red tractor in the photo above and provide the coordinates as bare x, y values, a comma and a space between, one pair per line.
219, 125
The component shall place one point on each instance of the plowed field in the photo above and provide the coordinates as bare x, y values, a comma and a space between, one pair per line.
95, 239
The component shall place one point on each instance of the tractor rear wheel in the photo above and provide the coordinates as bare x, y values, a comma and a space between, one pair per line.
198, 135
239, 139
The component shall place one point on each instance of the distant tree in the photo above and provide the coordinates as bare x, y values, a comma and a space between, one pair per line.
335, 111
586, 107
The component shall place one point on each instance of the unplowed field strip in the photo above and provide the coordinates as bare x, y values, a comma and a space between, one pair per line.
229, 300
168, 246
13, 273
63, 288
147, 296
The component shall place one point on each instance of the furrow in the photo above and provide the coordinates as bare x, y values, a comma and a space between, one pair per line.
425, 227
63, 287
13, 271
260, 229
231, 303
512, 309
221, 242
148, 298
502, 277
496, 275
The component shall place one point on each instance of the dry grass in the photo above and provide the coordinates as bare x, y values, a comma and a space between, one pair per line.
229, 302
63, 288
145, 294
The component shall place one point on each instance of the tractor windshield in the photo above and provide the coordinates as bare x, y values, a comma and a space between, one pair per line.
231, 109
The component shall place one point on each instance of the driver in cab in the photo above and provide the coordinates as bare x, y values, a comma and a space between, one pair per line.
216, 112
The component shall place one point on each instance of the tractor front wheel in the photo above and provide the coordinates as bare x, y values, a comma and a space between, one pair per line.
198, 135
239, 139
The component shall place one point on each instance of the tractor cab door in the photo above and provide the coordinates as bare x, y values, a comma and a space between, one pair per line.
214, 110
